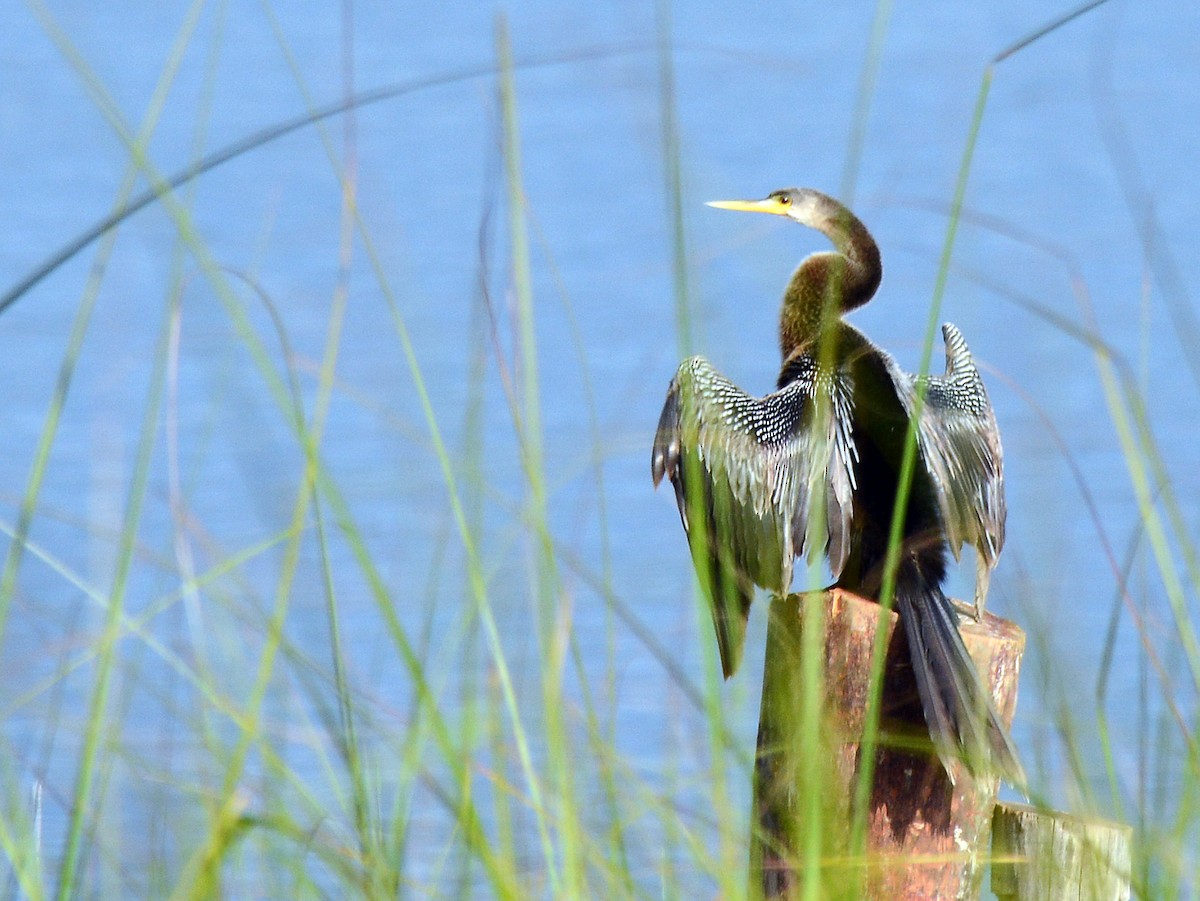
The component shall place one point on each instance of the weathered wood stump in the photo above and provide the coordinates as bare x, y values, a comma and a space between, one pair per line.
927, 837
1045, 855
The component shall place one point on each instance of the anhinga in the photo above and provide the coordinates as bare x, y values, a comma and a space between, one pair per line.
813, 468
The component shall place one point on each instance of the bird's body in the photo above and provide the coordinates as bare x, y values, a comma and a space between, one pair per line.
813, 469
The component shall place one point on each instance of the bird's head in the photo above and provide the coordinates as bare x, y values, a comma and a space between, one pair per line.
804, 205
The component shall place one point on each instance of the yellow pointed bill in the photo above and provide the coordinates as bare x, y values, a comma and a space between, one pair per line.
769, 205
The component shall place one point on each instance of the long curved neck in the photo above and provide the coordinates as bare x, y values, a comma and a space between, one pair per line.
826, 285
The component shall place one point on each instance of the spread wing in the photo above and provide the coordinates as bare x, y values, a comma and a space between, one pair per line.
961, 446
758, 481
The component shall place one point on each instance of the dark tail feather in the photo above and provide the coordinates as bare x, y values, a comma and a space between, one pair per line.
958, 710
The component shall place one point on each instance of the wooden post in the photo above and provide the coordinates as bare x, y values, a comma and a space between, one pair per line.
1044, 855
926, 837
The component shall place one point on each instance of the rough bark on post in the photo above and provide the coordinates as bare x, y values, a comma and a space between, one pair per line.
926, 837
1043, 855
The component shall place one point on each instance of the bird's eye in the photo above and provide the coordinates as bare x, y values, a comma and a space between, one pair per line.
784, 199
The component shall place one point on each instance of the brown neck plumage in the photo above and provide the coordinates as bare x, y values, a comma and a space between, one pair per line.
828, 284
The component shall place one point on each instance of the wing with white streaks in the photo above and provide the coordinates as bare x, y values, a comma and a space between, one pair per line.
758, 481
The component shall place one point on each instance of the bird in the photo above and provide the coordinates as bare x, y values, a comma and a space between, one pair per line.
811, 469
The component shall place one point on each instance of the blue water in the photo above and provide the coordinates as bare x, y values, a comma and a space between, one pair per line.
1088, 142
